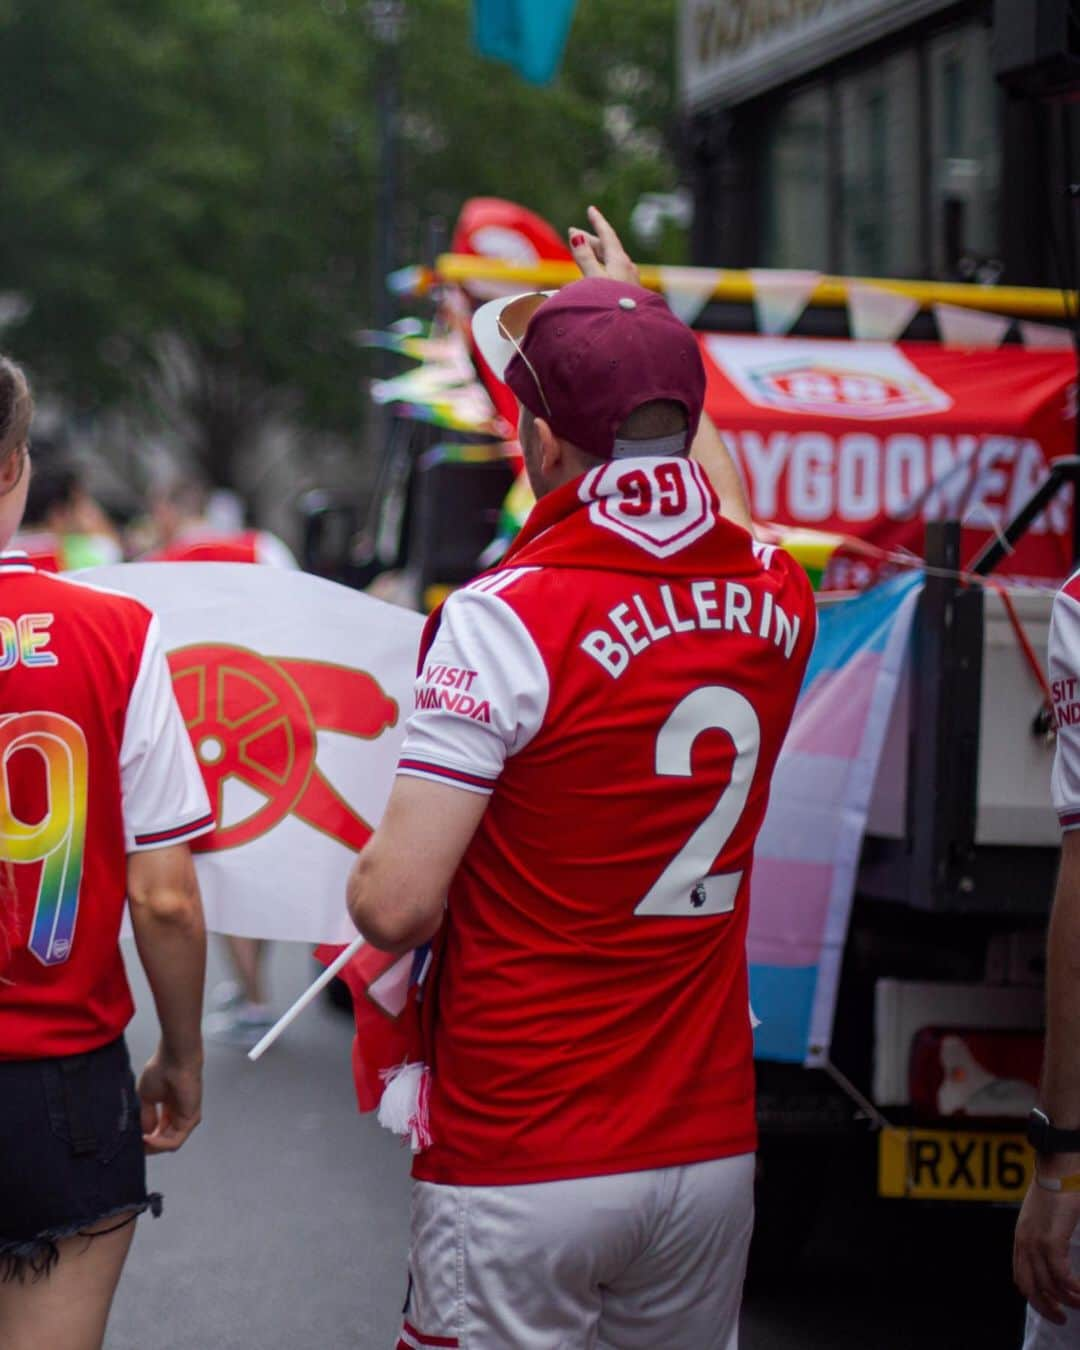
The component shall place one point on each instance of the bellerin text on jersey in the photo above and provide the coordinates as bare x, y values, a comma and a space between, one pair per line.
655, 613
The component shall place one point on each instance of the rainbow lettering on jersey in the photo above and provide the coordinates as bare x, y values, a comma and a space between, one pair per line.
22, 640
58, 838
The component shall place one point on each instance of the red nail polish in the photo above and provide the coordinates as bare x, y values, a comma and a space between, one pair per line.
576, 240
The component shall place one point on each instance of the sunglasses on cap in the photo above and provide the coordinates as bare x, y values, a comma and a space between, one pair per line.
512, 322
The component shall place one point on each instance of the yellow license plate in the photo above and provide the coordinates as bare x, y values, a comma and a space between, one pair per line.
916, 1164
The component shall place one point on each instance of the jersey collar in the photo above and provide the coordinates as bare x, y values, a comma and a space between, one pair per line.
15, 561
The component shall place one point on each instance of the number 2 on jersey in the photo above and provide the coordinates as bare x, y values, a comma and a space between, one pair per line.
57, 839
685, 889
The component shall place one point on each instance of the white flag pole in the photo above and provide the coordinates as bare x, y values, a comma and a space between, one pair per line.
287, 1018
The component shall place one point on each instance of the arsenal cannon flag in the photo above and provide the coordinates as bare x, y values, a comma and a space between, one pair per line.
295, 693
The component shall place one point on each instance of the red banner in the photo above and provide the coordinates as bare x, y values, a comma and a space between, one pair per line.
874, 440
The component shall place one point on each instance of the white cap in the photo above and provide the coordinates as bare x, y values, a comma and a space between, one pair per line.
494, 348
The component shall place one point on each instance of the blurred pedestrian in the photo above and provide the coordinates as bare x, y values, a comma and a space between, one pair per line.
99, 794
241, 1010
1046, 1255
573, 825
180, 512
64, 527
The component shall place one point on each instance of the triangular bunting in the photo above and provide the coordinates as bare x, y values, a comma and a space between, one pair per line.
688, 289
961, 327
876, 314
780, 298
1045, 335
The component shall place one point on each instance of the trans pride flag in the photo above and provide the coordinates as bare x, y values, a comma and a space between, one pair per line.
808, 850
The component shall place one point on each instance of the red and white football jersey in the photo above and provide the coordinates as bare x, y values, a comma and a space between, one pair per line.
249, 546
95, 763
621, 687
1064, 651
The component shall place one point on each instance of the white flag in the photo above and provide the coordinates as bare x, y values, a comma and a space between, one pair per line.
961, 327
1045, 336
295, 692
780, 298
688, 289
877, 314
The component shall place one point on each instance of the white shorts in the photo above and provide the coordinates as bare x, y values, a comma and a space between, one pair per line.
634, 1261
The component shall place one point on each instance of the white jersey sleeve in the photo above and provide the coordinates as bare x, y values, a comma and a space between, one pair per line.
162, 789
1065, 687
481, 696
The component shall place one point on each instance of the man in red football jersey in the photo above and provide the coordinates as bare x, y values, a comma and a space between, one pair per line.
573, 824
99, 794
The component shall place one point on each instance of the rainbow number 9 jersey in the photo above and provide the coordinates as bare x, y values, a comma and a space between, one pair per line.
95, 763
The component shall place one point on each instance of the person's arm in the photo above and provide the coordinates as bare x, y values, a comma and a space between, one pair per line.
1061, 1069
1048, 1219
602, 255
712, 453
481, 697
398, 884
165, 806
167, 919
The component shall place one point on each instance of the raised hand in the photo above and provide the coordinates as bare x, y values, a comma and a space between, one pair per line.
601, 254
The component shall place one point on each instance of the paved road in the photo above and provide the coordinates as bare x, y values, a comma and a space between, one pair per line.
285, 1228
286, 1214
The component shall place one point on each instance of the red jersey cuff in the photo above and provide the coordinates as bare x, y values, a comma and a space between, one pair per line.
178, 834
443, 773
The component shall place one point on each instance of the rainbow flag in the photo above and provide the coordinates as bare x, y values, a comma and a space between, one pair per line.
808, 850
812, 548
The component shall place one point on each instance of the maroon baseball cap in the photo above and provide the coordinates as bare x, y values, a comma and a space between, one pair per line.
586, 357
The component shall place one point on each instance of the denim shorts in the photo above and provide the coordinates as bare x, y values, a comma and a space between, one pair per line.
71, 1153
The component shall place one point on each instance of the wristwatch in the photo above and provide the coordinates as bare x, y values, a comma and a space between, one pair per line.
1045, 1138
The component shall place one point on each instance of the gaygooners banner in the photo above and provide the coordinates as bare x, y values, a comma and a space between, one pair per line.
807, 853
295, 692
872, 440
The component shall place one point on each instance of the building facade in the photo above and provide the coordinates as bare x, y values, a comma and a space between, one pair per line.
869, 138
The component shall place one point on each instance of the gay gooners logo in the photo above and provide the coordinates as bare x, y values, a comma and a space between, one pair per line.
254, 719
867, 382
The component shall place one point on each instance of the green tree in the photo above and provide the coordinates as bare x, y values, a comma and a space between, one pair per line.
187, 204
602, 132
188, 185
